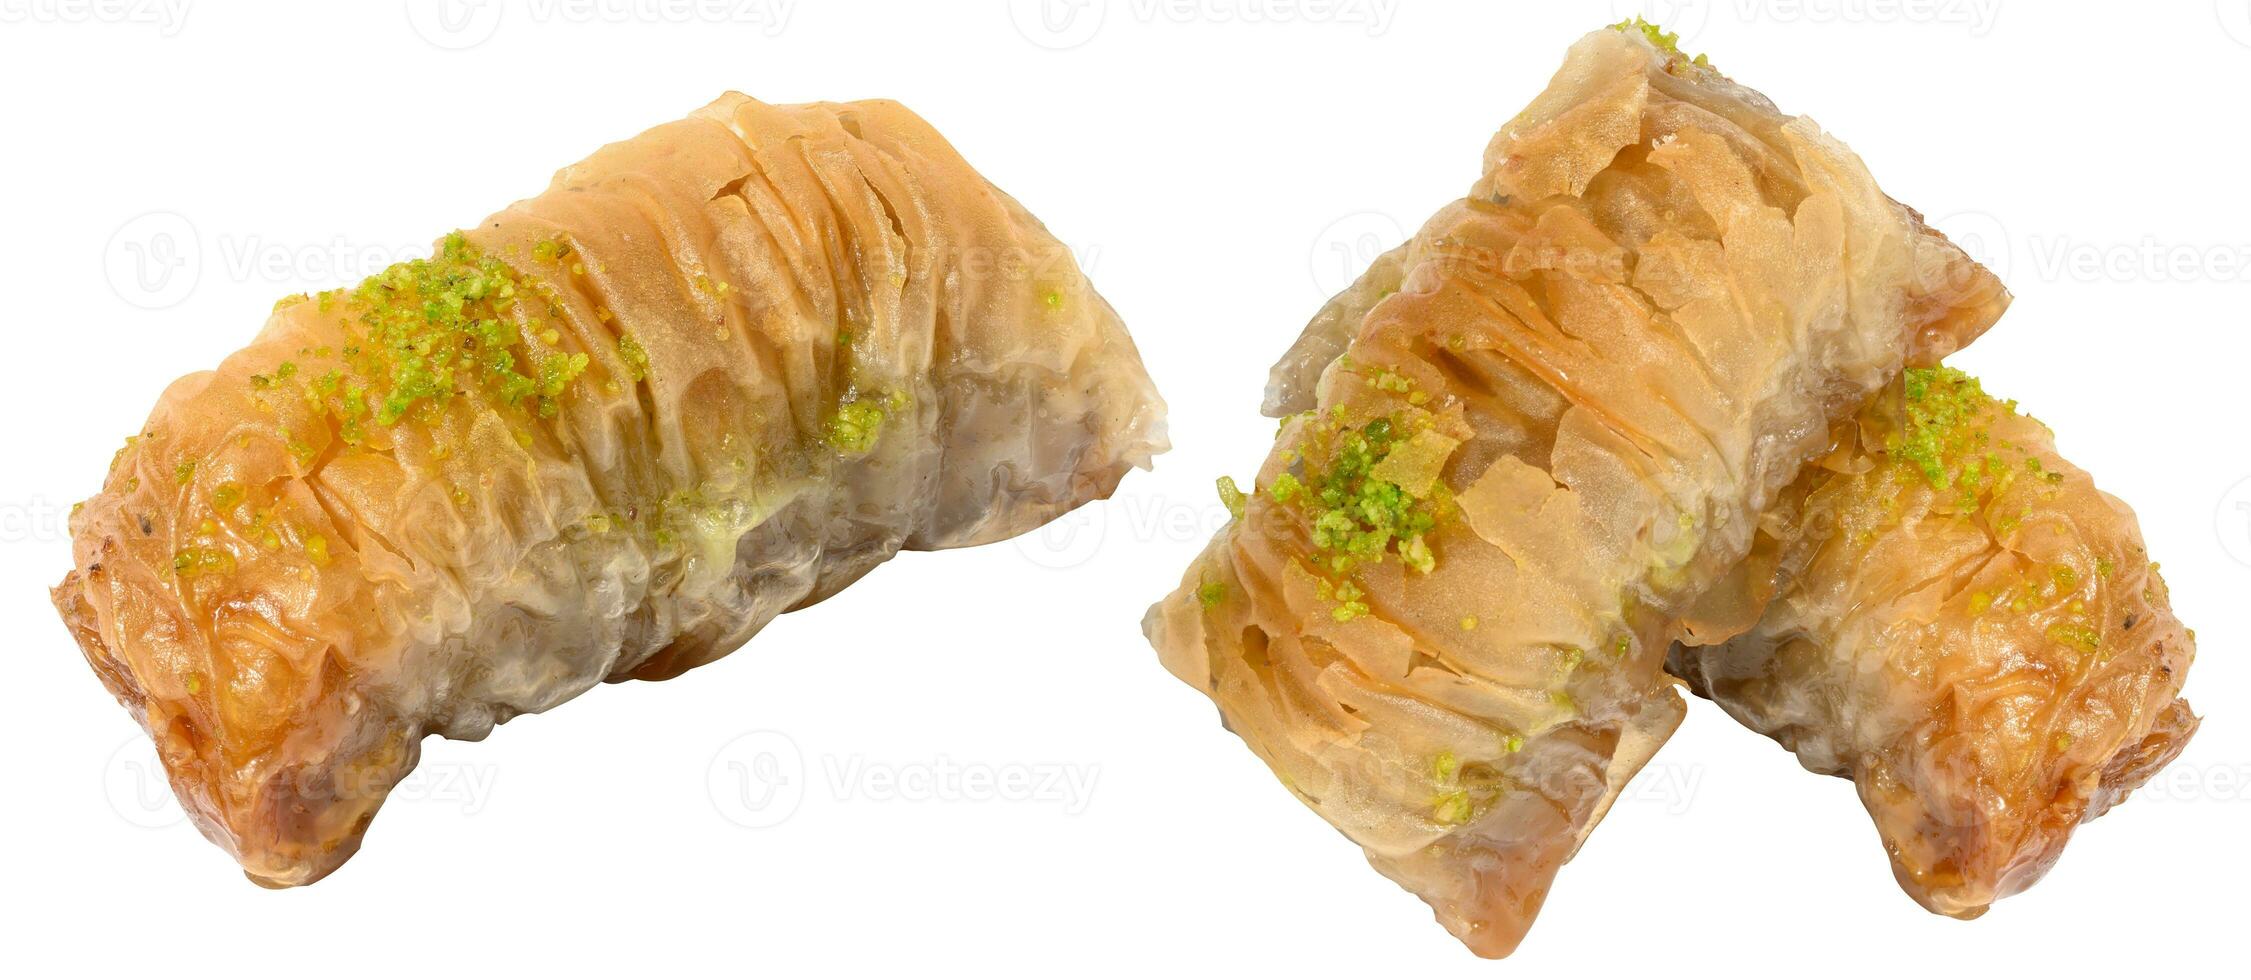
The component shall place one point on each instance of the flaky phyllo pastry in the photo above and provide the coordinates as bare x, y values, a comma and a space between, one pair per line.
715, 373
1539, 433
1959, 621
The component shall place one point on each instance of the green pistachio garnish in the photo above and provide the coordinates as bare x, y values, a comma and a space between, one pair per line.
191, 562
1285, 488
1376, 494
1944, 437
1356, 516
635, 357
2078, 636
1941, 436
1445, 768
439, 326
1232, 496
856, 425
1452, 809
1661, 39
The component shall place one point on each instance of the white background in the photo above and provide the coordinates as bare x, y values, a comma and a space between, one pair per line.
1219, 165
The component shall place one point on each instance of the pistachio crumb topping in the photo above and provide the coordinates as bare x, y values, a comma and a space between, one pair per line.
1452, 809
550, 249
1348, 597
1446, 767
1940, 435
1944, 437
636, 357
556, 372
193, 561
1232, 496
1285, 488
1211, 594
1453, 805
2078, 636
1661, 39
436, 325
856, 425
1376, 494
433, 329
1356, 515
